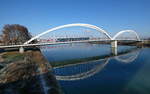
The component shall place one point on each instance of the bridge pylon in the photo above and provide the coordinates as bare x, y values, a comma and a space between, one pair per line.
114, 47
21, 50
114, 43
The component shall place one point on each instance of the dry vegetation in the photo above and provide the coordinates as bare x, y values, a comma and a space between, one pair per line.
22, 66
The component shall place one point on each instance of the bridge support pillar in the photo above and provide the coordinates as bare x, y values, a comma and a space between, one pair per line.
21, 50
114, 47
114, 44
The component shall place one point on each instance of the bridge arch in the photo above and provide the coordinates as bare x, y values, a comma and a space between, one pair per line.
70, 25
126, 31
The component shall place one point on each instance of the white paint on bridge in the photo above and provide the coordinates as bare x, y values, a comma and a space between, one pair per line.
70, 25
126, 31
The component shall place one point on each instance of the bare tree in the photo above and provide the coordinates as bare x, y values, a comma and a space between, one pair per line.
0, 39
15, 34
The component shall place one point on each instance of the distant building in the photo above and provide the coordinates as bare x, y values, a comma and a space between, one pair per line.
61, 39
45, 40
71, 39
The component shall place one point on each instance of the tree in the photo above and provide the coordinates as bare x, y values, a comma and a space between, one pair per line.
0, 39
15, 34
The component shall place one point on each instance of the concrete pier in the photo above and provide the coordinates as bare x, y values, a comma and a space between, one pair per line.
21, 50
114, 47
114, 44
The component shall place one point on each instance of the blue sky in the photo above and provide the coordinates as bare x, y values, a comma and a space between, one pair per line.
111, 15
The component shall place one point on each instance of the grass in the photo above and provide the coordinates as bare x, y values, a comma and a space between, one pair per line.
12, 56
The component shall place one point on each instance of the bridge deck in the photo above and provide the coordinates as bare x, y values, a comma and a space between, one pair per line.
54, 43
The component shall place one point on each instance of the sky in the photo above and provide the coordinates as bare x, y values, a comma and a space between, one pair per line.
111, 15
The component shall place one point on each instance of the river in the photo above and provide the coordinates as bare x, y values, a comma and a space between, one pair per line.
92, 69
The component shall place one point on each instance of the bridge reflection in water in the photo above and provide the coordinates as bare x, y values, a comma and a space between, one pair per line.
83, 70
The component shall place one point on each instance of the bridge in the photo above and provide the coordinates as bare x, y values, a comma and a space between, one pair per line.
133, 37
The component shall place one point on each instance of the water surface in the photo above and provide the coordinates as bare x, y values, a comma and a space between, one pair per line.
127, 73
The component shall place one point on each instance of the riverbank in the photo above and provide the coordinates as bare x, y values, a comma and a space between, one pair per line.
27, 72
15, 60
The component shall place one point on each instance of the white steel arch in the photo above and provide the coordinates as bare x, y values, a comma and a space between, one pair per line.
125, 31
70, 25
